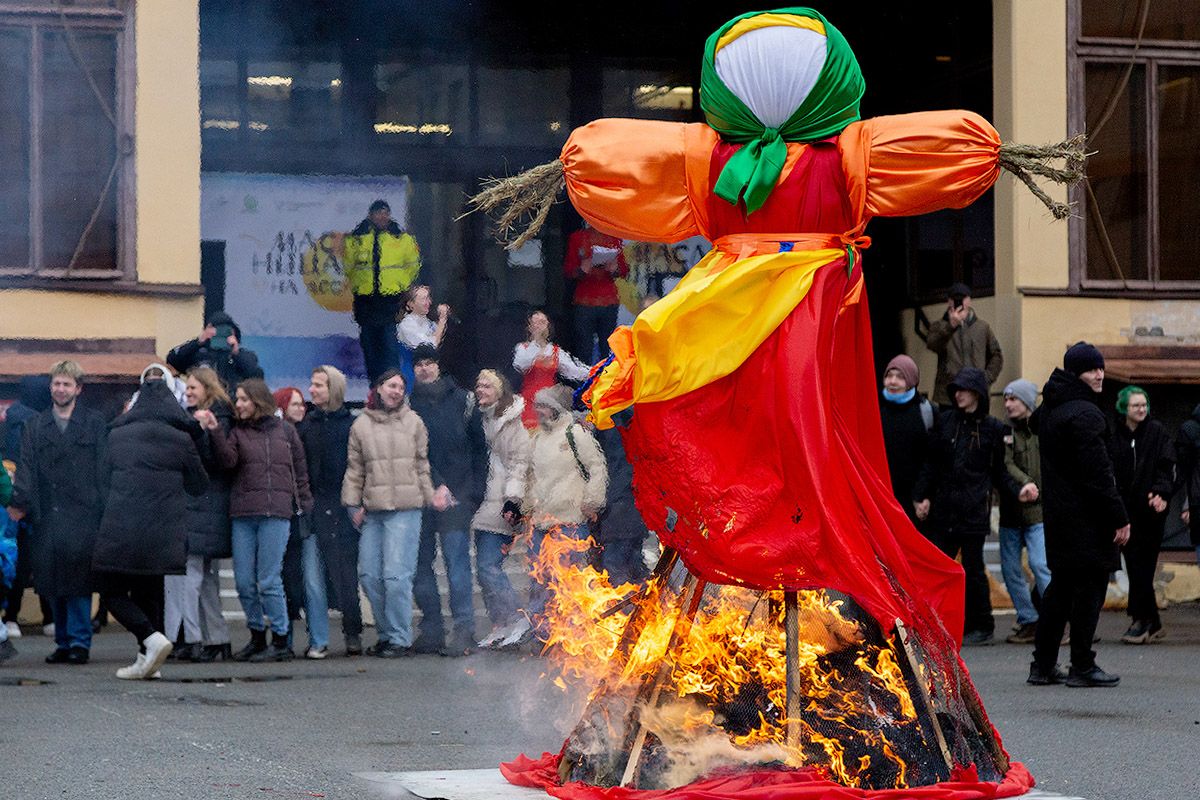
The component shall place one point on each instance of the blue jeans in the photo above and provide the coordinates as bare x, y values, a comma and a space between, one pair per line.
258, 546
72, 621
539, 592
499, 598
387, 560
456, 553
316, 604
1033, 539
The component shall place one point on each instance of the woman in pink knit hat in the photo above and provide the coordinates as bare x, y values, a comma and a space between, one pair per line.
907, 417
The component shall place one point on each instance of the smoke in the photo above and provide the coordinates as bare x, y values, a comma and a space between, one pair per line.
694, 746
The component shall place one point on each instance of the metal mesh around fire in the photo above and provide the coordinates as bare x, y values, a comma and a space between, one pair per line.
687, 684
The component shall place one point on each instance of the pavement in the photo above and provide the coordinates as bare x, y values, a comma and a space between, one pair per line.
304, 728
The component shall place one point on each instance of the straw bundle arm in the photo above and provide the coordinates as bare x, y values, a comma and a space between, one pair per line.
523, 199
1062, 163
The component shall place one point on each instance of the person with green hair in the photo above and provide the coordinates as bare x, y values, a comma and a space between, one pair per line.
1144, 467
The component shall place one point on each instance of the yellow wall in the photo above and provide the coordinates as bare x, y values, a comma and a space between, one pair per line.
166, 195
167, 158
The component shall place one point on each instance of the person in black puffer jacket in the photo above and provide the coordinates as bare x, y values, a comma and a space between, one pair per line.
457, 465
143, 536
331, 551
1187, 474
1085, 518
270, 479
954, 491
1144, 467
193, 601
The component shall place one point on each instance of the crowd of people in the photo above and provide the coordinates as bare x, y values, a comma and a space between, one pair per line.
314, 501
1077, 493
311, 500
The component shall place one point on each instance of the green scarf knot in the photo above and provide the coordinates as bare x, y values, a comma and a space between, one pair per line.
751, 174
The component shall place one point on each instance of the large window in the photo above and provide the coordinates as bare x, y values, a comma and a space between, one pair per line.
65, 151
1135, 90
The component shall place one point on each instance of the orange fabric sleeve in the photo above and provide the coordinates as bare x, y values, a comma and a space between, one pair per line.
637, 178
911, 164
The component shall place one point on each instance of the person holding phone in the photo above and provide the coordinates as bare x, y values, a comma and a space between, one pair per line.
218, 346
961, 339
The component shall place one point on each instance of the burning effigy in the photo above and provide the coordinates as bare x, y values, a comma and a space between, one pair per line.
799, 637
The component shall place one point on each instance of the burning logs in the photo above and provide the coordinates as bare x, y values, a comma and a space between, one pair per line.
693, 677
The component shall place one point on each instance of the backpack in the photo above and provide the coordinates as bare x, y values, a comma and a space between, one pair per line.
8, 555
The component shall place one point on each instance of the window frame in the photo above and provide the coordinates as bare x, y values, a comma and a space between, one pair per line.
1151, 54
117, 20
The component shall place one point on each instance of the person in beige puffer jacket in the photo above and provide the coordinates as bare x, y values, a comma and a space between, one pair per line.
568, 482
495, 522
387, 484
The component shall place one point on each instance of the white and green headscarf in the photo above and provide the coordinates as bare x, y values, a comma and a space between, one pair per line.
772, 77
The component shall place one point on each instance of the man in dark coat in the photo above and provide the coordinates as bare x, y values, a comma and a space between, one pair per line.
1085, 519
33, 397
325, 432
153, 463
60, 488
456, 453
954, 491
218, 346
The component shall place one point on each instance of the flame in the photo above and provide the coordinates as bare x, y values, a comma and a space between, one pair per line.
853, 694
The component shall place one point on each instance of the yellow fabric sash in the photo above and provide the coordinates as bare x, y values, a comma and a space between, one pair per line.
722, 310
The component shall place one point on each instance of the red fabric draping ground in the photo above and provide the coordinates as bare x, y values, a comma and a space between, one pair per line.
764, 784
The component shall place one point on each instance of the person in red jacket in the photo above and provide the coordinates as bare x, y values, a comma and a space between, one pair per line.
594, 261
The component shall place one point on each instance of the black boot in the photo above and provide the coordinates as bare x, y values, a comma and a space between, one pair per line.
258, 643
189, 652
216, 652
278, 651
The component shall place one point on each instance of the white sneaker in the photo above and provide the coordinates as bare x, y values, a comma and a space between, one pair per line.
14, 630
317, 652
48, 630
135, 671
517, 634
158, 647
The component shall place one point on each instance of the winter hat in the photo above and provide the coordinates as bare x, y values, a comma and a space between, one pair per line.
1023, 390
972, 379
769, 78
958, 290
378, 205
1129, 391
1082, 357
177, 387
424, 352
908, 369
556, 397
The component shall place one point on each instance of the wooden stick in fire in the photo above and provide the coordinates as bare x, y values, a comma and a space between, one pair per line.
791, 624
692, 593
620, 657
905, 651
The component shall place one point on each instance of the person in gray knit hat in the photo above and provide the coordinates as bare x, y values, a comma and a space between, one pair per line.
1021, 517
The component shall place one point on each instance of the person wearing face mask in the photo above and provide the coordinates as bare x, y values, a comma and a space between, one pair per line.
1085, 518
1144, 466
387, 484
270, 479
907, 417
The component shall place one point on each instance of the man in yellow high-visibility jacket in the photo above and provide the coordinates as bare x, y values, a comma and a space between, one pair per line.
381, 262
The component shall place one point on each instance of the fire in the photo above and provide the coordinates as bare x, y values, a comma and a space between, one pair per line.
720, 696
